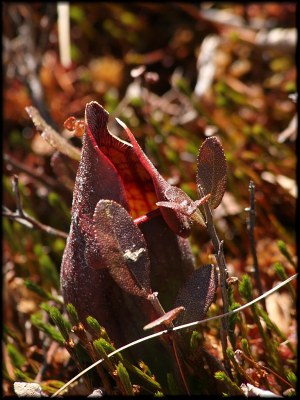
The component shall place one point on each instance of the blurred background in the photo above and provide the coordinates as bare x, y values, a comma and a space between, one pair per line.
175, 73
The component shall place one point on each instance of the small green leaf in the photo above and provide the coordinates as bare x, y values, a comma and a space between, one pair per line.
195, 341
62, 324
101, 351
234, 389
280, 271
16, 357
284, 251
71, 310
21, 376
40, 291
49, 329
245, 347
109, 349
94, 324
292, 378
245, 288
125, 380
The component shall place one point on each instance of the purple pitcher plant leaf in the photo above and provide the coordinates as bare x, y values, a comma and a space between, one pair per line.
111, 171
184, 208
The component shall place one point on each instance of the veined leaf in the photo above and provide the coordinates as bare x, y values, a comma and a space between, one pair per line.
122, 247
197, 293
212, 171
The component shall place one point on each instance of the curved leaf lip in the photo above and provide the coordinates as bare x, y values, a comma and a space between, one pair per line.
134, 177
96, 120
172, 201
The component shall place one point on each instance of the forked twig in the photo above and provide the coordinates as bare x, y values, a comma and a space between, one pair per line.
23, 218
180, 327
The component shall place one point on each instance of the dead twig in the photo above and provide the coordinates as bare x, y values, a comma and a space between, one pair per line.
23, 218
250, 227
20, 167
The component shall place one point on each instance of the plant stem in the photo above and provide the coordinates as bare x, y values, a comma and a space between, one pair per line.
218, 249
160, 312
178, 363
250, 228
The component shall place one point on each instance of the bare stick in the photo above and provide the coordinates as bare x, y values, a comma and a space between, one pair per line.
30, 222
250, 228
15, 188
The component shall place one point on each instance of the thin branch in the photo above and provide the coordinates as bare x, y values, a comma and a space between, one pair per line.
168, 323
179, 364
23, 218
15, 188
31, 223
20, 167
250, 227
180, 327
218, 248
